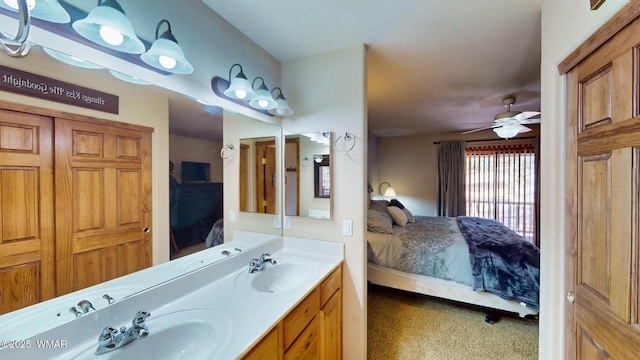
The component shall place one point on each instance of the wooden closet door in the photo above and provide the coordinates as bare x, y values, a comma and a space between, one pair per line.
103, 202
26, 210
603, 177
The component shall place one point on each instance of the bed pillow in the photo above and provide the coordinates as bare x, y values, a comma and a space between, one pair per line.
399, 217
379, 221
395, 202
410, 217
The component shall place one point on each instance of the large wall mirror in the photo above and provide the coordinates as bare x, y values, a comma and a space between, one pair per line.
188, 121
308, 175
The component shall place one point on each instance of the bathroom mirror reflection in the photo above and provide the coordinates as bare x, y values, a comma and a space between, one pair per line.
258, 175
181, 110
308, 175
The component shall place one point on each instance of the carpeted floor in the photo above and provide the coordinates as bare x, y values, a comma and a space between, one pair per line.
406, 326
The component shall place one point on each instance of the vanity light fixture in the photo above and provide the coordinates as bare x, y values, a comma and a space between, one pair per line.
128, 78
165, 53
283, 108
263, 99
108, 26
390, 192
70, 60
318, 158
48, 10
239, 88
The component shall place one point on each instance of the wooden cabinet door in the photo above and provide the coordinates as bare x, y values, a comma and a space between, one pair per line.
26, 210
603, 177
103, 202
331, 328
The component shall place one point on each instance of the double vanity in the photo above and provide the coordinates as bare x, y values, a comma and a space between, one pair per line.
281, 298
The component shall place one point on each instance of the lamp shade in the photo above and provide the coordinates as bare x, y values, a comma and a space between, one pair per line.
263, 99
507, 131
165, 53
239, 88
71, 60
108, 26
48, 10
128, 78
283, 108
390, 192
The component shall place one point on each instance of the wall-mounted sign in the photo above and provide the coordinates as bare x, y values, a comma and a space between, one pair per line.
29, 84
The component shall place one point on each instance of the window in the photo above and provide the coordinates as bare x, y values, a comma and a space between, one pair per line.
322, 176
500, 185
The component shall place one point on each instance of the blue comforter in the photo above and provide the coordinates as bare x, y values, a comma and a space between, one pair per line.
503, 262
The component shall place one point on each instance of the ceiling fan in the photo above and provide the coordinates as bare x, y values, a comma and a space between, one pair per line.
509, 123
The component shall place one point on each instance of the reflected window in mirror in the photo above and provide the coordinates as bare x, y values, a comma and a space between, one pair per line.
322, 176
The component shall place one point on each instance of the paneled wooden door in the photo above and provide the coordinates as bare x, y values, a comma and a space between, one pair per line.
103, 202
603, 204
26, 210
266, 176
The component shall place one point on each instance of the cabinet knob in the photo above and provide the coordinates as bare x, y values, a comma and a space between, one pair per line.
146, 229
571, 297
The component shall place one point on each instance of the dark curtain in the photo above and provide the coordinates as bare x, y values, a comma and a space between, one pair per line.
536, 212
451, 192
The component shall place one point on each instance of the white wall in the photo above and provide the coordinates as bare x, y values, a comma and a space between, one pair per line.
565, 25
328, 92
183, 148
410, 165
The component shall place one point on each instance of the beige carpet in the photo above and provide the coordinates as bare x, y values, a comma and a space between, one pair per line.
408, 326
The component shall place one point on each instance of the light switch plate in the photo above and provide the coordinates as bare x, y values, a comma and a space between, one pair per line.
347, 227
232, 217
287, 222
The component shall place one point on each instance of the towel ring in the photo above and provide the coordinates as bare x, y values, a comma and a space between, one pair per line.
305, 161
231, 151
349, 141
18, 46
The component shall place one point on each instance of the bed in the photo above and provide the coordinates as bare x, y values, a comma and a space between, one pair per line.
465, 259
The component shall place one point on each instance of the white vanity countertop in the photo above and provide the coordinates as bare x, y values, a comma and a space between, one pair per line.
241, 315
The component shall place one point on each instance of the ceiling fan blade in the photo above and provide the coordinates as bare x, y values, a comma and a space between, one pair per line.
530, 121
480, 129
522, 129
525, 115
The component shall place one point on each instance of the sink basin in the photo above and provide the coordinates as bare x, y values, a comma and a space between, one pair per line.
186, 334
287, 274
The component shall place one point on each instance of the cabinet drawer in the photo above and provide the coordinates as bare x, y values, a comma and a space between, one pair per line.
306, 346
329, 286
299, 317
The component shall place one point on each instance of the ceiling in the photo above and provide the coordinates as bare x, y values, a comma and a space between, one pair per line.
433, 66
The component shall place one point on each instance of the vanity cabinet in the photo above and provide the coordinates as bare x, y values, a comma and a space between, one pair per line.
311, 330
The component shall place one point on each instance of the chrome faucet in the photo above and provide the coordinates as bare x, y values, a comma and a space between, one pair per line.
111, 339
258, 264
109, 299
86, 306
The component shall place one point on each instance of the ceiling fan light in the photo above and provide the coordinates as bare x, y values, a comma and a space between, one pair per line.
105, 24
507, 131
